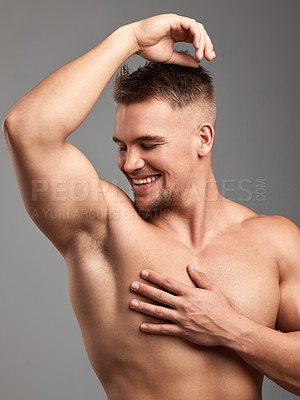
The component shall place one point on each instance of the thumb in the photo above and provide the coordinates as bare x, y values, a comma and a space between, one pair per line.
186, 60
199, 278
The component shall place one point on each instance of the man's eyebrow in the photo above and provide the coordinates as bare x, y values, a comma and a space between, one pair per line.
142, 138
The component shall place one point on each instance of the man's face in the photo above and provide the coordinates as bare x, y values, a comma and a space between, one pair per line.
156, 153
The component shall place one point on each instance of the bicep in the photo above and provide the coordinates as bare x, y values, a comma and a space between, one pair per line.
60, 189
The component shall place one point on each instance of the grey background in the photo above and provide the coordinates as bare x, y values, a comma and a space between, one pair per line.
256, 71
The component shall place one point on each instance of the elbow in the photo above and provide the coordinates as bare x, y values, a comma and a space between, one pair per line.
6, 129
6, 126
10, 127
16, 130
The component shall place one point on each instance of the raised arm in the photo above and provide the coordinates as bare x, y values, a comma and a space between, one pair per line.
58, 184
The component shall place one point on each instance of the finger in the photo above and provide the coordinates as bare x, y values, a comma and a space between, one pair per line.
196, 36
152, 309
200, 278
202, 41
153, 293
185, 60
161, 329
191, 32
166, 282
209, 48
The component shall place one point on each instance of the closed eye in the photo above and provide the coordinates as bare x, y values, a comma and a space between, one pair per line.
124, 148
149, 147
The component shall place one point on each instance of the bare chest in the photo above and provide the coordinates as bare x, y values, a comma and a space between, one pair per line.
245, 272
100, 278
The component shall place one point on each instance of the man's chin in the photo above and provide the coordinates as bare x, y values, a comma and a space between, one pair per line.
163, 206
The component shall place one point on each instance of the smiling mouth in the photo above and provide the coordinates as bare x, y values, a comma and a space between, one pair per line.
143, 182
142, 186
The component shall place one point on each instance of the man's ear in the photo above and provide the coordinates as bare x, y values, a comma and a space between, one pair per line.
206, 134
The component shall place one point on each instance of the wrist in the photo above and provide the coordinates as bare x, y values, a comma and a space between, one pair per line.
238, 332
129, 38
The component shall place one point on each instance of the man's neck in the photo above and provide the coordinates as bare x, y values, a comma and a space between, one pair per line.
199, 215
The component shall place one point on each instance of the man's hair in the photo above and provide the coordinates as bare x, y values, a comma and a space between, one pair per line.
180, 86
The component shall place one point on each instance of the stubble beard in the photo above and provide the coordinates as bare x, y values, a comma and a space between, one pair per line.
166, 200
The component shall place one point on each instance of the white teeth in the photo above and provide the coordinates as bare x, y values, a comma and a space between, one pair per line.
146, 180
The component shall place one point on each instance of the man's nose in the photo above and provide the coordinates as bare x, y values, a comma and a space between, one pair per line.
133, 162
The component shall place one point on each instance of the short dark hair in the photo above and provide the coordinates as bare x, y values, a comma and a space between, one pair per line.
180, 86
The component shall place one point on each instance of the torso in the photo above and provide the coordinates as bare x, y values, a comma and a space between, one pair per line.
133, 365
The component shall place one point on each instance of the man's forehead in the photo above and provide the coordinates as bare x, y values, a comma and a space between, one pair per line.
151, 113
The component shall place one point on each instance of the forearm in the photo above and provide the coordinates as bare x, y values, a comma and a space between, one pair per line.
275, 354
62, 101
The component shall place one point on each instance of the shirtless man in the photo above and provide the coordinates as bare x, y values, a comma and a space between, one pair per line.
219, 339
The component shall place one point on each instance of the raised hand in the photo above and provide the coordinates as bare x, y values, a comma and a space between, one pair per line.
201, 315
155, 38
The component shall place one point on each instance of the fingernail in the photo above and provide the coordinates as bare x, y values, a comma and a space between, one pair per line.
135, 285
192, 266
201, 55
145, 273
144, 326
214, 54
134, 303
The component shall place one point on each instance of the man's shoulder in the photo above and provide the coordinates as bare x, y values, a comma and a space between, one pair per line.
279, 235
117, 200
121, 211
277, 230
276, 227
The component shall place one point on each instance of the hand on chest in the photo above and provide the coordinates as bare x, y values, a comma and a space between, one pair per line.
246, 276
